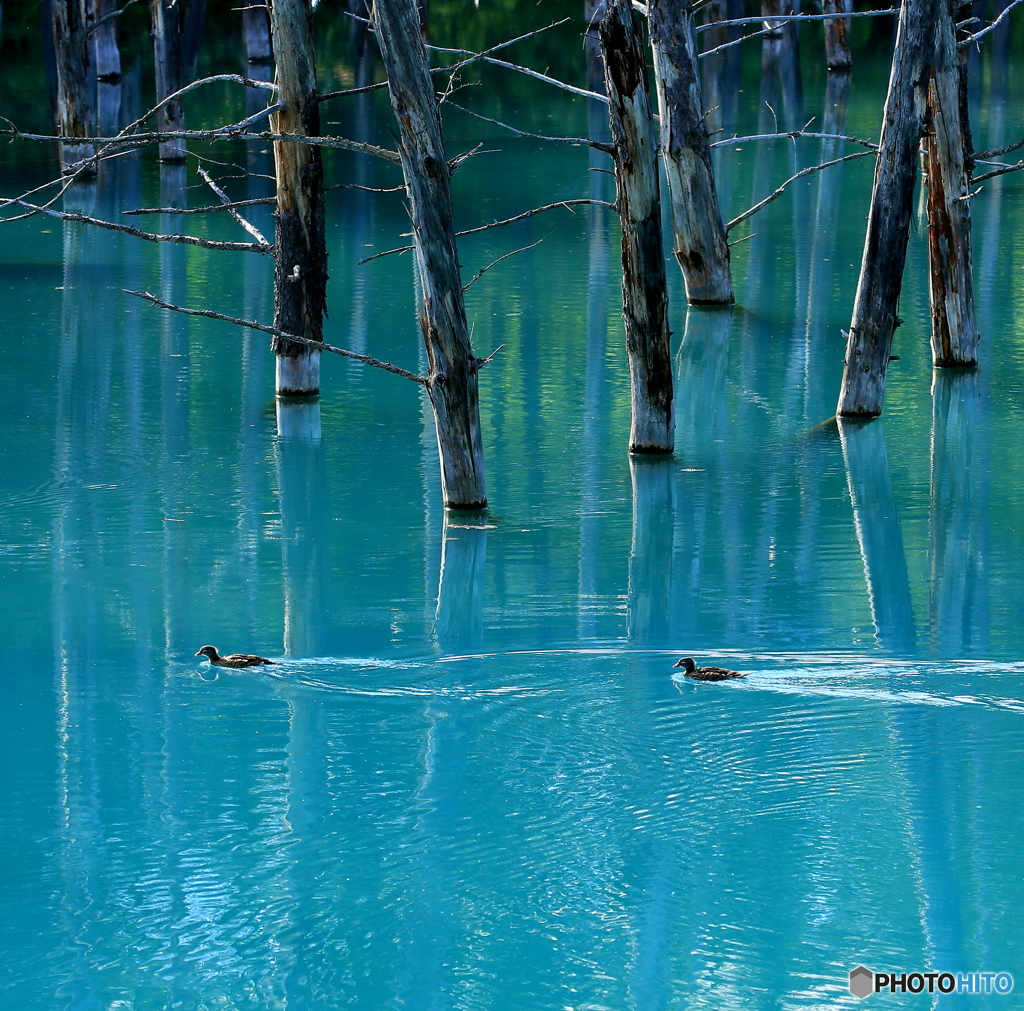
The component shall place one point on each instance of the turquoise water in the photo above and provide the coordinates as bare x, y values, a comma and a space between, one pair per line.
472, 779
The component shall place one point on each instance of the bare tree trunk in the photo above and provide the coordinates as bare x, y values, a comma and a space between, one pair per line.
885, 246
837, 34
700, 242
948, 168
167, 62
452, 368
300, 275
74, 109
644, 293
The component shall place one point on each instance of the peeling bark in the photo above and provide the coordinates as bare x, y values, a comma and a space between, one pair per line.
452, 381
700, 244
644, 293
300, 273
947, 145
869, 340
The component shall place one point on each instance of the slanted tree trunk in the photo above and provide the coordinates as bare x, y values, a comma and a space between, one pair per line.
869, 340
167, 63
700, 242
300, 273
947, 145
644, 293
452, 382
837, 34
74, 109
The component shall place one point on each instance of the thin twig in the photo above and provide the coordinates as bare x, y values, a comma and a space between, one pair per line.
998, 172
536, 136
226, 200
982, 155
871, 145
189, 240
774, 195
108, 17
253, 202
273, 331
483, 270
797, 17
991, 27
506, 221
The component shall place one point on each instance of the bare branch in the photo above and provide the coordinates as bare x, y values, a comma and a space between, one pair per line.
96, 25
506, 221
607, 148
998, 172
871, 145
982, 155
273, 331
782, 189
736, 42
483, 270
225, 199
773, 18
991, 27
189, 240
255, 201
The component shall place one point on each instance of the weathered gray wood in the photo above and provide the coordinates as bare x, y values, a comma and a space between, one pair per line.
167, 64
74, 108
947, 145
644, 293
700, 244
885, 246
300, 274
837, 34
452, 368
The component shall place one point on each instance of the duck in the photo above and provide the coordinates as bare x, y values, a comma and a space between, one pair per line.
233, 660
707, 673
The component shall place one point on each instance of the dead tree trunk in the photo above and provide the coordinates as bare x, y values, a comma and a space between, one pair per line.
947, 147
300, 274
167, 63
452, 381
105, 50
885, 245
74, 109
256, 32
837, 34
644, 293
700, 243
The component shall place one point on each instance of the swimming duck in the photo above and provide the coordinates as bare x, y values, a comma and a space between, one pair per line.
234, 660
706, 673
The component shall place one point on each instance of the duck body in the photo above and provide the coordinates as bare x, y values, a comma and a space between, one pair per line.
233, 659
691, 670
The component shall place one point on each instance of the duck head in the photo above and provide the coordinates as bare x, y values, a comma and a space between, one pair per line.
210, 652
686, 663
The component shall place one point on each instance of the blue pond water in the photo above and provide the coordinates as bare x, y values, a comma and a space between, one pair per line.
473, 778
